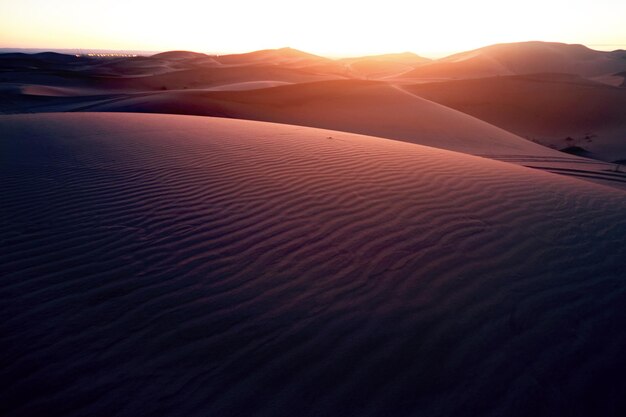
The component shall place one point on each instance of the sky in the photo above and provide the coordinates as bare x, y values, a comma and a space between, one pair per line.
335, 28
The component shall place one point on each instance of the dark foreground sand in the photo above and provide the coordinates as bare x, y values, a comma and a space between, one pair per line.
186, 266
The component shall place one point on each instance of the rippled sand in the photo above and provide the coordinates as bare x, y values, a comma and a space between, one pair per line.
186, 266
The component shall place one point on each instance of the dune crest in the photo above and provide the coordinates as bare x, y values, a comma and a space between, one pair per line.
178, 265
524, 58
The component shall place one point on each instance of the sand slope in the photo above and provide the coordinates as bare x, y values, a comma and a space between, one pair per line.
175, 265
168, 70
184, 56
524, 58
166, 79
312, 91
381, 66
282, 56
366, 107
556, 110
372, 108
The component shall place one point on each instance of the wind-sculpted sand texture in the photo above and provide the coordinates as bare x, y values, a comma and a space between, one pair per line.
176, 265
357, 106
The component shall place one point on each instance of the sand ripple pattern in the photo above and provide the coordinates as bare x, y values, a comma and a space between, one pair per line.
157, 265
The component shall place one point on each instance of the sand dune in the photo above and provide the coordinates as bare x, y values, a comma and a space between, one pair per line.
556, 110
290, 58
81, 66
371, 108
184, 56
282, 56
524, 58
408, 58
366, 107
44, 90
204, 77
153, 65
183, 82
381, 66
212, 77
168, 70
175, 265
330, 69
502, 59
374, 69
250, 85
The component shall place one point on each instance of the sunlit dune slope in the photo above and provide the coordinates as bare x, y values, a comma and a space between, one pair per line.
211, 77
176, 265
318, 92
556, 110
381, 66
183, 56
166, 71
524, 58
408, 58
282, 56
366, 107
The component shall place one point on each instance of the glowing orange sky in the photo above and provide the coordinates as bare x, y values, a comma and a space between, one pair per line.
332, 28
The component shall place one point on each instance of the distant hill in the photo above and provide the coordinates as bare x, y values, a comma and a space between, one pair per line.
524, 58
180, 55
408, 58
376, 66
276, 56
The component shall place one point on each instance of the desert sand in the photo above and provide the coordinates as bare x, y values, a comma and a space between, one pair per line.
557, 110
553, 98
277, 233
380, 109
163, 264
384, 66
523, 58
368, 107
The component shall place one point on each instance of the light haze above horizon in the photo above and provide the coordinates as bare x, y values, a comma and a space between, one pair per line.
346, 28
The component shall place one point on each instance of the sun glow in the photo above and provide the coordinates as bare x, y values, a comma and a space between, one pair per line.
324, 27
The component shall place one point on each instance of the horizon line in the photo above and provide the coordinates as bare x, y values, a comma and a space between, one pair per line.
142, 52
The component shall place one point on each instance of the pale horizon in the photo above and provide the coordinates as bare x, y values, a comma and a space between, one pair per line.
3, 49
323, 28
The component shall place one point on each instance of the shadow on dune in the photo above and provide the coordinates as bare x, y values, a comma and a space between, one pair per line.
176, 265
